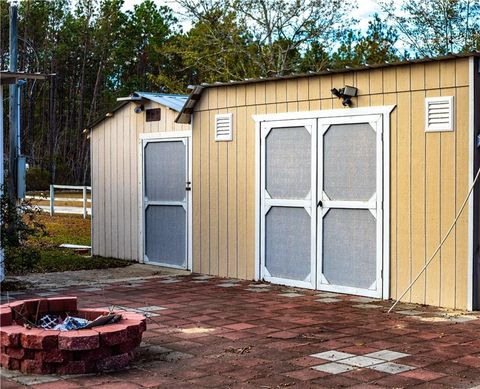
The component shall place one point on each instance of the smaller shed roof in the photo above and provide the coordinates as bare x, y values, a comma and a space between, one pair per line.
172, 101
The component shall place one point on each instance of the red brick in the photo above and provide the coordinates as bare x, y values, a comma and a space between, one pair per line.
6, 317
34, 306
18, 309
93, 355
112, 334
31, 366
9, 362
128, 346
62, 304
19, 353
91, 313
39, 339
78, 340
133, 330
53, 356
115, 362
75, 367
10, 335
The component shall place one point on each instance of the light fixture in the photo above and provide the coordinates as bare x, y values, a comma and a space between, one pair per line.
139, 108
346, 93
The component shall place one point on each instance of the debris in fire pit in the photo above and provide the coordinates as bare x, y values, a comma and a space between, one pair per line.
70, 323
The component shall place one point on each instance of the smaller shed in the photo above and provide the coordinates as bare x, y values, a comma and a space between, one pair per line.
127, 146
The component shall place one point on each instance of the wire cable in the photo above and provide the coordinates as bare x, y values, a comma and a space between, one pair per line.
441, 243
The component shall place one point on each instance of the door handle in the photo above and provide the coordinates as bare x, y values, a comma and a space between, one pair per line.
188, 188
320, 204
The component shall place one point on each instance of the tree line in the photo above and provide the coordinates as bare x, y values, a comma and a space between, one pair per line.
98, 52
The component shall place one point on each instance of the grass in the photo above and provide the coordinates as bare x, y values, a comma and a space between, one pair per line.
60, 229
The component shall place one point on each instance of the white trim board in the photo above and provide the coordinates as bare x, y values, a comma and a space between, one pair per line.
164, 136
471, 140
385, 111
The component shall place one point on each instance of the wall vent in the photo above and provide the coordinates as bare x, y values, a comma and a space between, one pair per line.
223, 127
439, 114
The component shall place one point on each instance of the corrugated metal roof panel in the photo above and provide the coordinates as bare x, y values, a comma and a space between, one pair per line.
172, 101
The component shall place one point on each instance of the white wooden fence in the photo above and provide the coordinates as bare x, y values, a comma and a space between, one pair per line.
84, 199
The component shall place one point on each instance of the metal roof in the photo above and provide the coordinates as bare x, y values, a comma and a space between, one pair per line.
172, 101
187, 110
7, 77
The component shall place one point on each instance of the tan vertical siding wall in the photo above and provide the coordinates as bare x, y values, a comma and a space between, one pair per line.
115, 164
429, 172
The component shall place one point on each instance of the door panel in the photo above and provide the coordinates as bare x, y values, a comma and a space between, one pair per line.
349, 229
288, 198
166, 229
165, 203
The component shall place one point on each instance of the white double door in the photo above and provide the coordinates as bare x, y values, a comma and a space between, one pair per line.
321, 203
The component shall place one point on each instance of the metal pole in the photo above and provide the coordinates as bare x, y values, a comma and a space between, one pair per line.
52, 200
84, 202
2, 267
13, 91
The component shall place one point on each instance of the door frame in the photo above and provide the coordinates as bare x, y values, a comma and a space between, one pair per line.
385, 112
145, 138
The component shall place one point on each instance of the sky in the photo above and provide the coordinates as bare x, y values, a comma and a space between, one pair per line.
366, 9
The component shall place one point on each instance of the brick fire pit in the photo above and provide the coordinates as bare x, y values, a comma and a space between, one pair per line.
40, 351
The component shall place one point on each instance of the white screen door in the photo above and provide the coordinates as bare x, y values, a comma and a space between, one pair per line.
349, 208
165, 202
321, 193
288, 202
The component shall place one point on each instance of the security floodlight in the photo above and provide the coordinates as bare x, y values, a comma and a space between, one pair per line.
346, 93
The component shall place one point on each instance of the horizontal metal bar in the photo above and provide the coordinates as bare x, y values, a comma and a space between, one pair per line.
288, 203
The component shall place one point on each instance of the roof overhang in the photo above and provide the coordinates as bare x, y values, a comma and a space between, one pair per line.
8, 78
185, 115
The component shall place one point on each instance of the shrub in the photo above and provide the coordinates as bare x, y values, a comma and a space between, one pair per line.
19, 223
38, 179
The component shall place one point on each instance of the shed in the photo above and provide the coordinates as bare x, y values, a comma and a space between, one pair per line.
292, 187
138, 153
278, 179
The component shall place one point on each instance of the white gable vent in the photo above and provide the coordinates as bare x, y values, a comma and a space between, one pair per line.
223, 127
439, 114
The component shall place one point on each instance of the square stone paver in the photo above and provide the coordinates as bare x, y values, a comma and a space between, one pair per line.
291, 294
260, 286
328, 300
387, 355
367, 306
391, 368
172, 281
151, 308
227, 285
334, 368
332, 355
257, 290
362, 361
365, 300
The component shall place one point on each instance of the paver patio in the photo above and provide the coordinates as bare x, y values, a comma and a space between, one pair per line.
211, 332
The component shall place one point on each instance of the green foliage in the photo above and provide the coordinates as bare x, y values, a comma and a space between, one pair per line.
38, 179
19, 222
20, 260
376, 46
436, 27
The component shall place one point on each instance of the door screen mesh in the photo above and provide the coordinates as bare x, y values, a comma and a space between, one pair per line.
165, 171
349, 247
165, 227
288, 163
287, 243
349, 163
